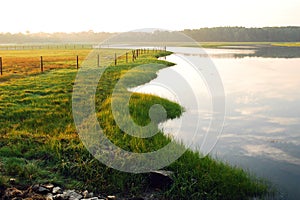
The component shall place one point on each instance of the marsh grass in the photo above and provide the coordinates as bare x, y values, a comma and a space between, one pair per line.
232, 44
39, 142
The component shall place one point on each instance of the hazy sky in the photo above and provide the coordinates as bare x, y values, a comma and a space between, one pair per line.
125, 15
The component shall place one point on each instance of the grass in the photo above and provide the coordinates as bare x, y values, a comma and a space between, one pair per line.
287, 44
231, 44
21, 63
39, 142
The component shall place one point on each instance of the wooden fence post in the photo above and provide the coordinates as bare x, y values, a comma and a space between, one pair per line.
126, 57
115, 59
133, 55
42, 64
1, 72
77, 62
98, 60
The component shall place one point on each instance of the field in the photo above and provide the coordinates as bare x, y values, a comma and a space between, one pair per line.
20, 63
39, 142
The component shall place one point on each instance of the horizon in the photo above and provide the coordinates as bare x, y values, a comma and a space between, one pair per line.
119, 16
92, 31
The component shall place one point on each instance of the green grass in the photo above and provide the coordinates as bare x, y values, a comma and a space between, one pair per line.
230, 44
287, 44
39, 142
21, 63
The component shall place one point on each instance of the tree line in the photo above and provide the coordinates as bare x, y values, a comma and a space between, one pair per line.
242, 34
59, 37
217, 34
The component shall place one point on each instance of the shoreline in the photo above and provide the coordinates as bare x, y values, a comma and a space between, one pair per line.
52, 151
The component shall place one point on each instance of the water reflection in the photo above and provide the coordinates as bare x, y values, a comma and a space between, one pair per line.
261, 132
248, 51
274, 52
263, 120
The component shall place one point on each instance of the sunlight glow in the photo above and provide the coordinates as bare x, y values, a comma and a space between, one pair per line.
117, 15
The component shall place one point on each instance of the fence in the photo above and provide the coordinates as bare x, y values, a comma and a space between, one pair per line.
43, 62
49, 46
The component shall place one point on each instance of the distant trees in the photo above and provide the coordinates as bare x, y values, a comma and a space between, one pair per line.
217, 34
79, 37
242, 34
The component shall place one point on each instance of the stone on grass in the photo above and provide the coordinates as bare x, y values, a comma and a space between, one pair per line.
161, 179
57, 190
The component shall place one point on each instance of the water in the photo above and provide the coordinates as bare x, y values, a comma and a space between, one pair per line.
262, 126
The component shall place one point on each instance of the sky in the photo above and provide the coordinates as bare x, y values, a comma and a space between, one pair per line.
121, 15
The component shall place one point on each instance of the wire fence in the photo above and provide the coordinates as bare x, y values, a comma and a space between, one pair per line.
10, 47
32, 64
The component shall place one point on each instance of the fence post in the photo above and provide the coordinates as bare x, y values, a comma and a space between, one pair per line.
115, 59
98, 60
126, 57
1, 72
77, 63
42, 64
133, 55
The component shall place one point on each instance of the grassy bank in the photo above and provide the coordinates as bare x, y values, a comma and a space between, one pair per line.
245, 44
231, 44
39, 142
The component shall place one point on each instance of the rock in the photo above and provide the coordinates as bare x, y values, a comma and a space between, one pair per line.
29, 194
35, 188
12, 192
49, 186
136, 198
72, 195
42, 190
17, 198
90, 195
110, 197
59, 197
161, 179
57, 190
12, 180
101, 196
87, 195
49, 196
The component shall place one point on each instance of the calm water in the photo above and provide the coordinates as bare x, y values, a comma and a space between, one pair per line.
262, 125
